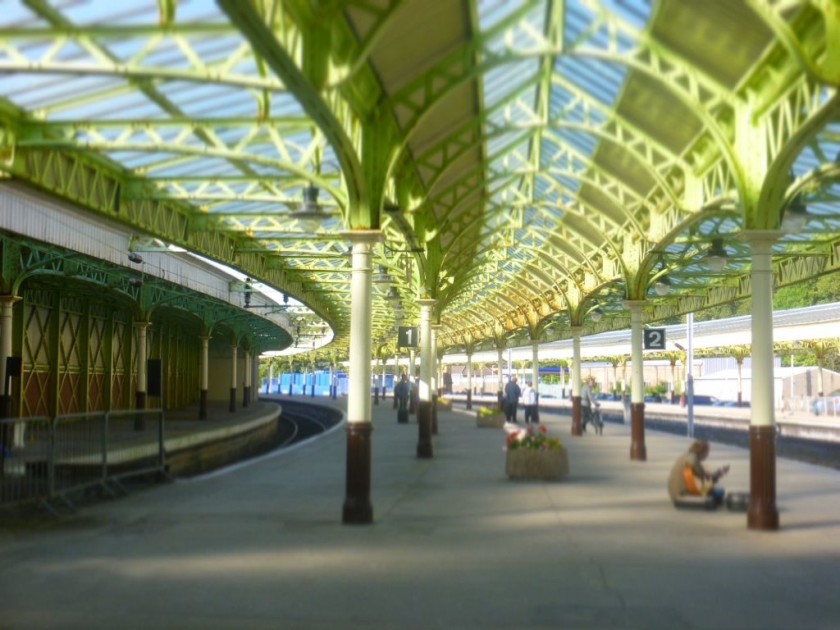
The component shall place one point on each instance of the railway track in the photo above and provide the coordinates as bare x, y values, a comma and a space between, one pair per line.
301, 421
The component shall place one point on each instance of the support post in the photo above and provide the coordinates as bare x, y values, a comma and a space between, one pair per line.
232, 406
638, 450
762, 513
424, 406
577, 424
205, 372
357, 508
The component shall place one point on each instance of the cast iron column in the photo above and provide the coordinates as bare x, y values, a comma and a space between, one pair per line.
357, 508
424, 405
500, 392
638, 451
469, 380
762, 512
232, 406
204, 369
140, 394
246, 388
577, 425
435, 384
412, 381
6, 304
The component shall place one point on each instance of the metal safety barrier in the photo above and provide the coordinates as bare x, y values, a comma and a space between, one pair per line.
45, 459
25, 459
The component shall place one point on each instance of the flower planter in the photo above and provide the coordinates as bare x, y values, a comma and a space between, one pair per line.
445, 405
490, 421
546, 465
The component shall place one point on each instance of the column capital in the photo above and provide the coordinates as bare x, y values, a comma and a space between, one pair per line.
9, 300
362, 236
760, 235
761, 240
426, 302
634, 305
576, 330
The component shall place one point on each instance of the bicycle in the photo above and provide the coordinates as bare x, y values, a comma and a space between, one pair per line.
597, 421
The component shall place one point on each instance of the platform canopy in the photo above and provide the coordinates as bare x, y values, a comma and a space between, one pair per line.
532, 165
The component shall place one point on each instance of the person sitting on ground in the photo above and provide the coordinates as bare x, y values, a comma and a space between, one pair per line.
689, 477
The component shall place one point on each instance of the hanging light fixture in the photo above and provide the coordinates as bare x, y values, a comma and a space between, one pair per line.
716, 257
382, 277
393, 295
796, 214
310, 213
662, 286
597, 315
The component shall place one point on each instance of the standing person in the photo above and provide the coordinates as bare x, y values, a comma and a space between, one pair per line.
587, 400
402, 391
512, 394
529, 400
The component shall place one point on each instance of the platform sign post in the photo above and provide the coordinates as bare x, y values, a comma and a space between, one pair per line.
408, 337
654, 338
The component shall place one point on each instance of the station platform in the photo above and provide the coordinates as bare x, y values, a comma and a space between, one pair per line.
454, 543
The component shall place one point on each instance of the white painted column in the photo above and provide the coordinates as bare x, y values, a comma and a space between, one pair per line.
535, 364
357, 508
638, 451
246, 388
426, 399
426, 349
233, 359
140, 396
6, 311
762, 512
204, 376
577, 421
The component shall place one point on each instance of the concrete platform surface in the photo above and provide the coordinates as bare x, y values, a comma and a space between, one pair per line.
454, 544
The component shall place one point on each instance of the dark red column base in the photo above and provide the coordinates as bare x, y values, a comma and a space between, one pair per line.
469, 399
202, 404
357, 508
246, 396
424, 431
577, 424
434, 414
139, 405
5, 406
762, 513
232, 405
638, 451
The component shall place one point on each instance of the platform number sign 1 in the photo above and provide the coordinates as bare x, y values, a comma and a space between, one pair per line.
654, 338
407, 337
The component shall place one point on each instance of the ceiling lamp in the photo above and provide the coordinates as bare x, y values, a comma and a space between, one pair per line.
716, 257
310, 214
382, 277
597, 315
796, 214
393, 295
662, 286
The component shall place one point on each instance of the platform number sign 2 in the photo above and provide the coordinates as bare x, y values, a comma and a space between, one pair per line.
654, 338
407, 337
